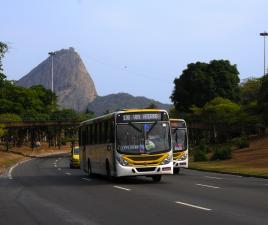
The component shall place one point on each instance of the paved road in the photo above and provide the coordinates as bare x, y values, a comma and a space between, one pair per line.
46, 191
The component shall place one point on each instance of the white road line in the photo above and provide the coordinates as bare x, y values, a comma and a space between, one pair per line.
59, 168
55, 165
122, 188
68, 174
194, 206
86, 179
14, 166
10, 171
218, 178
209, 186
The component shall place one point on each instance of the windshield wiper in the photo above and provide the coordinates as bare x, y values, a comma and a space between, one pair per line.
136, 128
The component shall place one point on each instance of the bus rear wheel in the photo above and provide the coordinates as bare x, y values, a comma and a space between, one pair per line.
176, 170
156, 178
89, 168
108, 171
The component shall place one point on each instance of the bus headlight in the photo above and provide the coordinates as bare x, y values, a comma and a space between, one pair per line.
166, 160
183, 157
122, 161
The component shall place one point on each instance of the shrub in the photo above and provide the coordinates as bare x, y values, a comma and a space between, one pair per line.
241, 142
221, 153
200, 156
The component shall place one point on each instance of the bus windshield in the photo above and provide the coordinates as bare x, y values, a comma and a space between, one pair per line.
179, 138
76, 151
138, 138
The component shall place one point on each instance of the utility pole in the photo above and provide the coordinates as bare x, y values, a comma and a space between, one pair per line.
52, 70
264, 34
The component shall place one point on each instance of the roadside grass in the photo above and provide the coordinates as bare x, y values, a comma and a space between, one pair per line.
17, 154
7, 159
231, 167
252, 160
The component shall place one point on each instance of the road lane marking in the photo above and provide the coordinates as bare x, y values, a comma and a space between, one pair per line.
86, 179
194, 206
14, 166
209, 186
217, 178
55, 165
59, 168
68, 174
122, 188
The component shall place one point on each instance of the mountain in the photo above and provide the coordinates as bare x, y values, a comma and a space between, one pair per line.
72, 83
119, 101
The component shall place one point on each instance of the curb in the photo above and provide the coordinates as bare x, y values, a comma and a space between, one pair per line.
230, 173
8, 171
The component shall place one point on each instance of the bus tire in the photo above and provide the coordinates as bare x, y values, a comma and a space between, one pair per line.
89, 170
176, 170
156, 178
108, 170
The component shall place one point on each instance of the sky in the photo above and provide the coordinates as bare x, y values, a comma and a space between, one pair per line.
135, 46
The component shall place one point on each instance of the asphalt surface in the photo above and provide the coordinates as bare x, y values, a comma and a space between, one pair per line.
46, 191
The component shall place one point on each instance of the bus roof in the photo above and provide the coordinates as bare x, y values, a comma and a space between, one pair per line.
113, 114
177, 120
177, 123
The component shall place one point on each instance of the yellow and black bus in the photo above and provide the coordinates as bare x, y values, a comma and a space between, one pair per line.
133, 142
179, 143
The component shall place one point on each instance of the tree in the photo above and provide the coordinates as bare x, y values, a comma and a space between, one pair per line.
249, 90
151, 106
173, 113
263, 98
3, 50
201, 82
2, 130
218, 111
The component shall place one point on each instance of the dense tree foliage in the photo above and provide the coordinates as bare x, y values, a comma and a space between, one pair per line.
263, 98
218, 110
201, 82
249, 90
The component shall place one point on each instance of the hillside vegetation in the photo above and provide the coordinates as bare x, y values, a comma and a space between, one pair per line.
252, 160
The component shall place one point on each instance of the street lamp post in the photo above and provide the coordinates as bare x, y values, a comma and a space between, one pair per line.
264, 34
52, 70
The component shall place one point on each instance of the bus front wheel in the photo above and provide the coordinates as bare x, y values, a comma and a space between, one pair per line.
156, 178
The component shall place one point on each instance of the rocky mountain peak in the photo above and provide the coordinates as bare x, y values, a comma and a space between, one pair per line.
72, 83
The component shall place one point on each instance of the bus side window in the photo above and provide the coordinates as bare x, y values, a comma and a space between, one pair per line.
111, 131
105, 133
79, 137
83, 135
90, 134
93, 134
86, 135
98, 133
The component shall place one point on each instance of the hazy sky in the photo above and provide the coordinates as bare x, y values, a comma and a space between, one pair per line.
135, 46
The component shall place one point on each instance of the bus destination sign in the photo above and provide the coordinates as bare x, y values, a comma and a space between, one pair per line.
132, 117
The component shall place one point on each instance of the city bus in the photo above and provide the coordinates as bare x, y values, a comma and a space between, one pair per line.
132, 142
179, 144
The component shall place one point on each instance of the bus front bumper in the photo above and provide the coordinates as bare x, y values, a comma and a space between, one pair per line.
180, 163
143, 170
